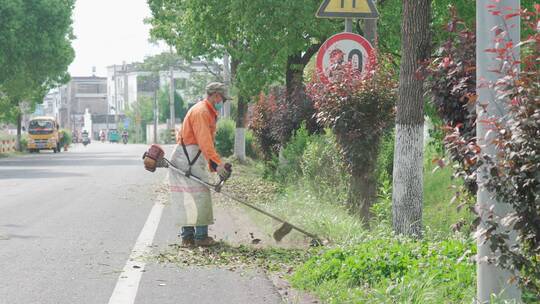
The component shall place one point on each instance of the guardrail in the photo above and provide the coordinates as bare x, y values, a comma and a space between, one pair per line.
7, 146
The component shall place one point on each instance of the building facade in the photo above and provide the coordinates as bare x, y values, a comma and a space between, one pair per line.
127, 83
69, 102
108, 98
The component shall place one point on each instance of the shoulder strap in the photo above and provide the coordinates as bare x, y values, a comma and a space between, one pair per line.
191, 163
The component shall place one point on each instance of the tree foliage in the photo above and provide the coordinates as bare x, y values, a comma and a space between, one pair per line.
196, 85
180, 107
277, 115
452, 83
209, 29
262, 126
36, 50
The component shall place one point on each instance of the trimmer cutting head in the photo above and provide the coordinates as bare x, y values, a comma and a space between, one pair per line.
285, 229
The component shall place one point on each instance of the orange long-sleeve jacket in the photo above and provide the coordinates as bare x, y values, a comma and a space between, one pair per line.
199, 128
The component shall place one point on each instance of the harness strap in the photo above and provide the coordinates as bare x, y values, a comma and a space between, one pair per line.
191, 163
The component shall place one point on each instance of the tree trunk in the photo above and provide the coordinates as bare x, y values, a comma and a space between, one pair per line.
296, 63
295, 73
240, 136
362, 193
408, 157
18, 145
240, 133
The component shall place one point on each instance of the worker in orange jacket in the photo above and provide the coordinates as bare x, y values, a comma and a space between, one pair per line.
193, 201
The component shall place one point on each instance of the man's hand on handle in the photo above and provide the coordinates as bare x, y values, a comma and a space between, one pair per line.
224, 170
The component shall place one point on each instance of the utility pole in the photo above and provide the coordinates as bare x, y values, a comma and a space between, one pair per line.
156, 85
171, 93
348, 25
491, 279
107, 119
115, 99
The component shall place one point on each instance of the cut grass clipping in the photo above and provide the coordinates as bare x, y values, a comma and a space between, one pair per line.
235, 257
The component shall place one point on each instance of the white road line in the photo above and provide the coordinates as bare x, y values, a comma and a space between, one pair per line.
127, 285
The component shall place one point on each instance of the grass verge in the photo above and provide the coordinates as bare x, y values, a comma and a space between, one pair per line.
387, 269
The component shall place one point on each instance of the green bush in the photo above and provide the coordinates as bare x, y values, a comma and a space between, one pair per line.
323, 168
289, 162
24, 142
66, 137
385, 159
226, 130
225, 137
251, 150
382, 209
392, 270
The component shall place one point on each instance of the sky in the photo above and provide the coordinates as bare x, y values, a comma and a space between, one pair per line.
109, 32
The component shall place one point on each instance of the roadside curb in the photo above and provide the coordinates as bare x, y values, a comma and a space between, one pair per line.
288, 294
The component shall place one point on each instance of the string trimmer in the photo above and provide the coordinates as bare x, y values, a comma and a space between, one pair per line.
278, 235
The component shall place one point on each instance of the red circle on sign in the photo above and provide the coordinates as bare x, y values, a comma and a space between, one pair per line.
329, 46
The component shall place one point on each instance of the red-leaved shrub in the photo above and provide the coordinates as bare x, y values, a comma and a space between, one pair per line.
359, 109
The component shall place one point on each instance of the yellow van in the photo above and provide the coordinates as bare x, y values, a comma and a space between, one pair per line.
43, 134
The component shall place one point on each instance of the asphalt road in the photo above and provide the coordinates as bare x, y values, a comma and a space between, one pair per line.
69, 223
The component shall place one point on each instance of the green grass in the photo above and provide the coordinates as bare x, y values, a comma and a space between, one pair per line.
389, 269
328, 220
440, 211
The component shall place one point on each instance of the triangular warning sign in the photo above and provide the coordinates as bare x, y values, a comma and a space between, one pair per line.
348, 9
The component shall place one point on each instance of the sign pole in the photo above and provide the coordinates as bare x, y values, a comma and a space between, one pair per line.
348, 25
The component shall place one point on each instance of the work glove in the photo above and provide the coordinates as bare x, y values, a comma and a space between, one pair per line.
224, 170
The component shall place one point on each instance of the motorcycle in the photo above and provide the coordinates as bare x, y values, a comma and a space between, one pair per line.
85, 139
124, 138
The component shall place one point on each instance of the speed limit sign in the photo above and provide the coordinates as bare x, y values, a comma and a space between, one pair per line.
344, 47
